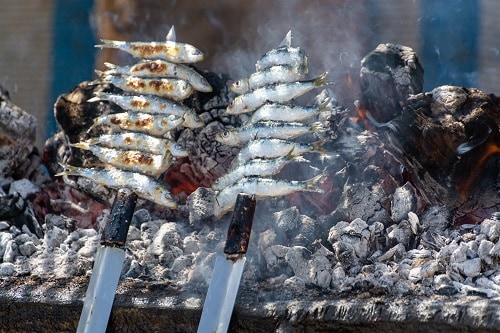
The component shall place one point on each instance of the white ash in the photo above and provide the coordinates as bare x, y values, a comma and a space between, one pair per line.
408, 255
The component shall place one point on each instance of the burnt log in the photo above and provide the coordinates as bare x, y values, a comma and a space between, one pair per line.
447, 139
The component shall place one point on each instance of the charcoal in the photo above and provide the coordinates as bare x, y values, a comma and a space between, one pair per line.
403, 202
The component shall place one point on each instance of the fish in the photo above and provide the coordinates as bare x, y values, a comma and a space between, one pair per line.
144, 186
256, 167
271, 75
261, 188
155, 125
169, 50
130, 160
265, 129
174, 89
138, 141
153, 105
161, 68
278, 93
272, 148
284, 54
282, 112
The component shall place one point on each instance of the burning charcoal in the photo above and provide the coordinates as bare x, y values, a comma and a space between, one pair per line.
444, 285
287, 221
469, 268
6, 269
11, 251
201, 206
295, 283
169, 234
140, 216
396, 251
495, 253
491, 228
190, 244
297, 258
403, 202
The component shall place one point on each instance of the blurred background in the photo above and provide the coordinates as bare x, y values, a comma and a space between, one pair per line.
47, 46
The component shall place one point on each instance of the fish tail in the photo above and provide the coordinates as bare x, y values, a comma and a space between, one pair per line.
111, 44
317, 127
81, 145
99, 96
69, 170
110, 65
321, 80
312, 185
324, 105
317, 146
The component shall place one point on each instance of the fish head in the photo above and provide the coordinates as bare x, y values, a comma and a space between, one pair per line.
192, 120
240, 86
178, 151
193, 54
227, 137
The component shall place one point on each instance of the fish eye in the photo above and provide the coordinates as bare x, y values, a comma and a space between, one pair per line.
237, 84
225, 134
196, 117
196, 52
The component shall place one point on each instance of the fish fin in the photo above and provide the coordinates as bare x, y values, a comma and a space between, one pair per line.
94, 99
321, 80
171, 37
312, 184
113, 44
287, 41
100, 74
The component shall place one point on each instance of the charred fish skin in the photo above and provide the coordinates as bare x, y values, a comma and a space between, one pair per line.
138, 141
144, 186
130, 160
278, 93
282, 112
271, 75
256, 167
262, 188
273, 148
265, 129
174, 89
153, 105
155, 125
161, 68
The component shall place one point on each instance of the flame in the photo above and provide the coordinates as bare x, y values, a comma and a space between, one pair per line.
465, 187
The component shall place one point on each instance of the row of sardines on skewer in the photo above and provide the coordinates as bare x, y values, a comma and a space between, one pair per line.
140, 147
268, 140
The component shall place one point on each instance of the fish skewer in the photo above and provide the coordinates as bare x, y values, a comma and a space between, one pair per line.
261, 188
169, 50
271, 75
272, 148
278, 93
138, 141
281, 112
144, 186
264, 129
153, 105
130, 160
257, 167
155, 125
175, 89
161, 68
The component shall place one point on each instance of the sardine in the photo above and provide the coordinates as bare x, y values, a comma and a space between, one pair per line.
265, 129
161, 68
139, 141
169, 50
175, 89
256, 167
278, 93
281, 112
155, 125
130, 160
261, 188
272, 148
144, 186
271, 75
152, 104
